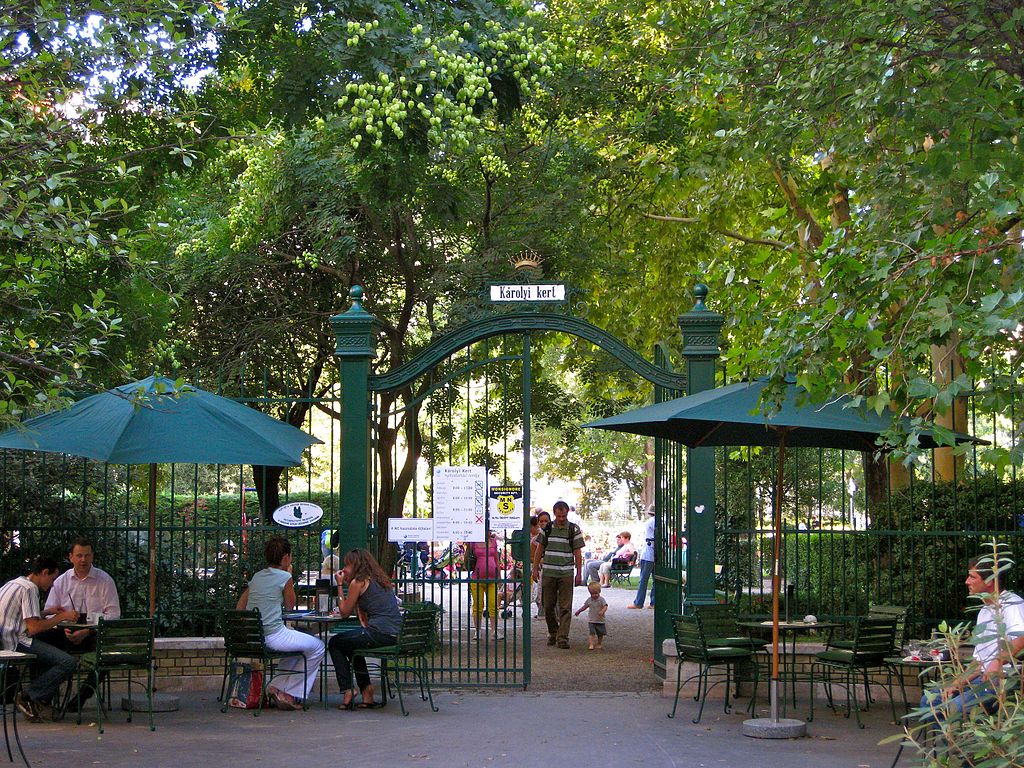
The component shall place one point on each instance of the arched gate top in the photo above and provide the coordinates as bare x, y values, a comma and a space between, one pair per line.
522, 322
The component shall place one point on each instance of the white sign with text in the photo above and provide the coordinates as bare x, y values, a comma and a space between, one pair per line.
528, 292
401, 529
460, 503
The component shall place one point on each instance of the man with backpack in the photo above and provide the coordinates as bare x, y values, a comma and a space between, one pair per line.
560, 552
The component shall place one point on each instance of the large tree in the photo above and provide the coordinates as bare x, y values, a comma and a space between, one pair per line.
83, 107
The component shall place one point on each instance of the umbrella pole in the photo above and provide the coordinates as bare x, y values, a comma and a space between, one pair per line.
152, 540
776, 575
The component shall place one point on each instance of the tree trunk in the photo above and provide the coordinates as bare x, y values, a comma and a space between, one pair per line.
947, 365
268, 488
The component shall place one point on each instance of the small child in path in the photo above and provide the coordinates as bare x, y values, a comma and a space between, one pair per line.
598, 607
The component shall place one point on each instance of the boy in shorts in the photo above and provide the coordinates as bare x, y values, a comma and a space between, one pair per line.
598, 606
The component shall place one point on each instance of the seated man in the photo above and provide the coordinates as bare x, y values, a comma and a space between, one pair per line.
601, 570
20, 621
88, 590
976, 685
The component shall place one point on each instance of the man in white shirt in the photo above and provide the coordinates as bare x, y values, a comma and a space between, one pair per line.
20, 622
91, 592
998, 636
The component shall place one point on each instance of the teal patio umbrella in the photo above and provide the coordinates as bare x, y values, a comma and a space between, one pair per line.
156, 421
732, 416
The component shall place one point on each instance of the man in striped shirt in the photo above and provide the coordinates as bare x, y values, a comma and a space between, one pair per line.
559, 549
20, 619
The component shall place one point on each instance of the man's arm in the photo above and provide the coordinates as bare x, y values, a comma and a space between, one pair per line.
578, 554
538, 555
111, 604
34, 624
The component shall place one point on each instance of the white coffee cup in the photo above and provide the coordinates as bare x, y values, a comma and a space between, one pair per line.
93, 617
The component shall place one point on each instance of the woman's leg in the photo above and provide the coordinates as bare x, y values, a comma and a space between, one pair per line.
286, 639
341, 648
476, 597
492, 609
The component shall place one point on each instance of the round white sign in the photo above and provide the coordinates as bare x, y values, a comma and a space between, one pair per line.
297, 514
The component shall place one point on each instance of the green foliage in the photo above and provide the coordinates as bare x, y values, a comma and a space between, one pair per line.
830, 570
68, 72
936, 529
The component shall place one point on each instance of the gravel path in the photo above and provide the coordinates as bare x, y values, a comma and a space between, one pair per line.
624, 664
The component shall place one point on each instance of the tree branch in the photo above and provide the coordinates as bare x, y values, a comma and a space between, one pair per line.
726, 232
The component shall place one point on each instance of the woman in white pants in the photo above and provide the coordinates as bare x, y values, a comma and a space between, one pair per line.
268, 590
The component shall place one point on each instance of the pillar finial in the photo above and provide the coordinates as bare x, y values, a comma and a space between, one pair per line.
700, 292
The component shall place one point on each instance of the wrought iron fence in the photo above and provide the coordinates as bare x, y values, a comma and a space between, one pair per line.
844, 550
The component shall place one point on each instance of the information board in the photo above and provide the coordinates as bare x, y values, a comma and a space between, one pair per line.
460, 503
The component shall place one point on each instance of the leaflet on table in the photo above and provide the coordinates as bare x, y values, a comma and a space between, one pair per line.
460, 503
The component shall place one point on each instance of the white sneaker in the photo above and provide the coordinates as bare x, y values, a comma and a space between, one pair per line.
498, 636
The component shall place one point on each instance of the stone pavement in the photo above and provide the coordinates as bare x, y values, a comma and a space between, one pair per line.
471, 730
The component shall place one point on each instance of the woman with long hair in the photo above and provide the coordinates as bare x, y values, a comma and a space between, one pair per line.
371, 598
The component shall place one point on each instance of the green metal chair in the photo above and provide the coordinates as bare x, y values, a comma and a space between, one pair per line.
122, 645
901, 615
692, 646
721, 627
872, 640
244, 639
417, 639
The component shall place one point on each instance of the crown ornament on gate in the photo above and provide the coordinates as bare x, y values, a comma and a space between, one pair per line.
526, 261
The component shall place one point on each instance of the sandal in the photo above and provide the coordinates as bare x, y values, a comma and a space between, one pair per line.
350, 705
370, 705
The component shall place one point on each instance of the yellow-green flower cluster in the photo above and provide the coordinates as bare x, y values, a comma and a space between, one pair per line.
447, 86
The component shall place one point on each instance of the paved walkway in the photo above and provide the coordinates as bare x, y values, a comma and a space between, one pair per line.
472, 729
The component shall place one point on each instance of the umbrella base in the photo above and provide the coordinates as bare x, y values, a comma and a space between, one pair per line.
766, 728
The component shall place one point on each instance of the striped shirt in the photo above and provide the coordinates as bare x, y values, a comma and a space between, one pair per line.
559, 559
19, 600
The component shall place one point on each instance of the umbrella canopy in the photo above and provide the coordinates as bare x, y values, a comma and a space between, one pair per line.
153, 421
730, 416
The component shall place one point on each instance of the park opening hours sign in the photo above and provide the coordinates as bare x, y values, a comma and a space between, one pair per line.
460, 503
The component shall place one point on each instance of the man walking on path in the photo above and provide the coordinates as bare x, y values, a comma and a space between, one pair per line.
646, 562
560, 550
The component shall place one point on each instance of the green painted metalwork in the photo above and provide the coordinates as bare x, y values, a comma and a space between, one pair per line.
355, 350
701, 328
523, 322
669, 559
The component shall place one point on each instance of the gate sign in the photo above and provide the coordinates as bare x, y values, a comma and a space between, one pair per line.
402, 529
528, 292
506, 507
297, 514
460, 503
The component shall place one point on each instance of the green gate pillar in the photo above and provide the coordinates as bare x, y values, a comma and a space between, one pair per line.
701, 328
354, 334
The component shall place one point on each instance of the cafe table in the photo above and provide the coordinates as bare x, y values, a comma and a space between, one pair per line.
323, 623
8, 661
788, 632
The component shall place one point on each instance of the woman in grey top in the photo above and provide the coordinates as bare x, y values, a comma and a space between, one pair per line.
267, 591
369, 596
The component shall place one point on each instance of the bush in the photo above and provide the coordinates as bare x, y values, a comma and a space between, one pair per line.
927, 534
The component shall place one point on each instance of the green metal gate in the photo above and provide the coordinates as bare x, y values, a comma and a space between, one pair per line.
465, 400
